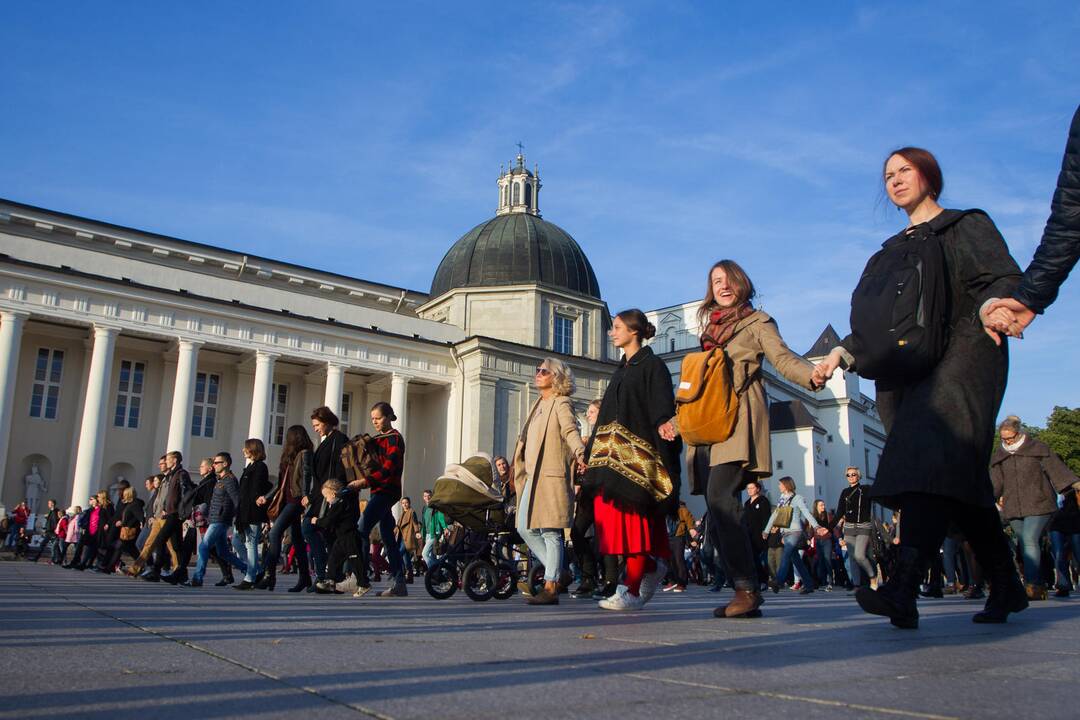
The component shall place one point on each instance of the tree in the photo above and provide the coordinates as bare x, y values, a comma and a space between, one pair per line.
1062, 434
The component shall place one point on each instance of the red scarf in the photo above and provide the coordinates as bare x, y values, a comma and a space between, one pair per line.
721, 327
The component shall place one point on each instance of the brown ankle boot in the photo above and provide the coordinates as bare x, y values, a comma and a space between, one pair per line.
745, 604
548, 596
1036, 592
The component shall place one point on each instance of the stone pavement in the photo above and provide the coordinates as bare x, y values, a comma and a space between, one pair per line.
81, 645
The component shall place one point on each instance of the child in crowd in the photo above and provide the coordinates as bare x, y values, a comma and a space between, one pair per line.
338, 524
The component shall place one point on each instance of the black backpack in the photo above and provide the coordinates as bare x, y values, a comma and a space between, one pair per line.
900, 308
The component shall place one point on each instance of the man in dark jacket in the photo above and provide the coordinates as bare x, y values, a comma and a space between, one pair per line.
173, 487
223, 501
327, 465
1054, 258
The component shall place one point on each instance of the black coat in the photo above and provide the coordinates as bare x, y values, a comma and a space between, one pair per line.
340, 518
327, 464
639, 397
254, 483
941, 428
756, 513
197, 495
1060, 246
134, 514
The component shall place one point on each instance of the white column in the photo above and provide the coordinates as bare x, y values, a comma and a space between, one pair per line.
335, 385
399, 398
187, 364
11, 329
259, 427
92, 430
453, 423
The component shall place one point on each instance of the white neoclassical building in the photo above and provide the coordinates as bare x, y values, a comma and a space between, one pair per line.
118, 344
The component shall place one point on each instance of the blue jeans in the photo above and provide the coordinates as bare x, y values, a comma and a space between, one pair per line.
545, 543
289, 519
379, 511
824, 561
949, 550
428, 552
246, 544
791, 557
1061, 543
217, 537
316, 542
1027, 533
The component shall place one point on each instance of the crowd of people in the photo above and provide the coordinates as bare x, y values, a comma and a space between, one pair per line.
957, 523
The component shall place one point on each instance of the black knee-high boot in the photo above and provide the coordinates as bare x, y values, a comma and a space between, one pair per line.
1007, 593
896, 598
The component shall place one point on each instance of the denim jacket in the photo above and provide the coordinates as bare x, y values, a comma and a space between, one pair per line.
800, 514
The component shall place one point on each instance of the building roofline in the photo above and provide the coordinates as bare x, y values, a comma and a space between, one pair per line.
204, 246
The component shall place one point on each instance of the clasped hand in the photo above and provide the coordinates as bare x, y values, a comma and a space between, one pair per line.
1005, 316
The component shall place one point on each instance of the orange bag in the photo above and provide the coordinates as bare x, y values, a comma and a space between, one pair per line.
706, 404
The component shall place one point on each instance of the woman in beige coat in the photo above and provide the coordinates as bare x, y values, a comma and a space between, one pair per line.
548, 452
722, 471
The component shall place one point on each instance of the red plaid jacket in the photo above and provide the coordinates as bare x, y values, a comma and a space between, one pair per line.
387, 477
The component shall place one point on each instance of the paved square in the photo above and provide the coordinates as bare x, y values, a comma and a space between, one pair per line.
81, 645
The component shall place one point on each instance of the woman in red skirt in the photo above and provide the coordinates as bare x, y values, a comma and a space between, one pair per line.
634, 463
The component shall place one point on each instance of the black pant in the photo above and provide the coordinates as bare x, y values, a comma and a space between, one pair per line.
88, 557
678, 555
925, 518
724, 496
290, 517
346, 549
118, 549
584, 546
170, 530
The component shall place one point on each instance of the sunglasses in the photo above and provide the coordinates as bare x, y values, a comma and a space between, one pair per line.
852, 474
542, 371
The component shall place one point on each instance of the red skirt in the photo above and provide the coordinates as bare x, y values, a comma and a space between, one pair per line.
625, 532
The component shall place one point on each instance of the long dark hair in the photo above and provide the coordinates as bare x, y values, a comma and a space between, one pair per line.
296, 441
925, 162
737, 279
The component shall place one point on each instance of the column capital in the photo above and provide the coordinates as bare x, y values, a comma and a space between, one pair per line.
189, 344
104, 330
16, 316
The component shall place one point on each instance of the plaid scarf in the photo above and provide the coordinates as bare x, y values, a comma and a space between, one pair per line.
721, 325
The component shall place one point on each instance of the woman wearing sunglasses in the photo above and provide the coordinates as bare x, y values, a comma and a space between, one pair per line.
549, 451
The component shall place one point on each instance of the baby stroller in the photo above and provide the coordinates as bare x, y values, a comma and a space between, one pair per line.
480, 558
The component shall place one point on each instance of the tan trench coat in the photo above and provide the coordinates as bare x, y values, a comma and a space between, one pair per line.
756, 336
553, 426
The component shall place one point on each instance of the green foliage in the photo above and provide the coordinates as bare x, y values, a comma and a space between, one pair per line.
1062, 434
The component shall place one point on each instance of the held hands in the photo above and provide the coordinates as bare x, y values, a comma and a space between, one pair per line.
824, 370
1006, 316
667, 431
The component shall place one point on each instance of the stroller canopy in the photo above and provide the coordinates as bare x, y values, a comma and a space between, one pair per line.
465, 493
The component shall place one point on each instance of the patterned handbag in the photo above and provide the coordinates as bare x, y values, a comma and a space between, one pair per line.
617, 448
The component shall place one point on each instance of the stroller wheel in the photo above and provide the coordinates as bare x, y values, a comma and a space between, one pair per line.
480, 580
441, 580
506, 583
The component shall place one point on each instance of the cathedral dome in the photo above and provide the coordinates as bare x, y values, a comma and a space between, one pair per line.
516, 248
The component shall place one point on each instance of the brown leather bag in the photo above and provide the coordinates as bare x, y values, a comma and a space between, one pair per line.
128, 533
278, 501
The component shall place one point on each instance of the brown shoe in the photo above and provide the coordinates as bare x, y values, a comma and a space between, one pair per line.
1036, 592
549, 595
745, 604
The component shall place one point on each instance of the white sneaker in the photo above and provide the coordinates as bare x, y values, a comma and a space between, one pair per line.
622, 600
651, 582
348, 585
362, 591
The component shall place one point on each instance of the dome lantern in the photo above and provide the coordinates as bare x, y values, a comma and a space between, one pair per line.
519, 189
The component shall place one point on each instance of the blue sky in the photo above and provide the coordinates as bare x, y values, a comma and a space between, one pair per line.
366, 139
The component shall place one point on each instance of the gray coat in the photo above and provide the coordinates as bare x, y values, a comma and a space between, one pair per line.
941, 428
1029, 480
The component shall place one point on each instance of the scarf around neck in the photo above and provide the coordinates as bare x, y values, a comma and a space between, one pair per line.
1015, 446
721, 327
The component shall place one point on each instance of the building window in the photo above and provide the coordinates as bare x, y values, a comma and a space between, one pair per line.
279, 405
45, 397
129, 394
672, 344
517, 193
528, 195
204, 413
779, 464
564, 335
346, 411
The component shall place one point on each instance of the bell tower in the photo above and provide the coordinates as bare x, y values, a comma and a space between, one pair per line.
519, 189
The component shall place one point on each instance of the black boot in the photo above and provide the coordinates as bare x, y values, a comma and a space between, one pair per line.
269, 579
896, 598
226, 577
1007, 594
302, 583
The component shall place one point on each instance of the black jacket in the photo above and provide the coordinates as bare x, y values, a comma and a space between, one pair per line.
1060, 246
640, 398
853, 506
327, 464
134, 514
224, 499
197, 495
340, 518
254, 482
756, 513
176, 484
